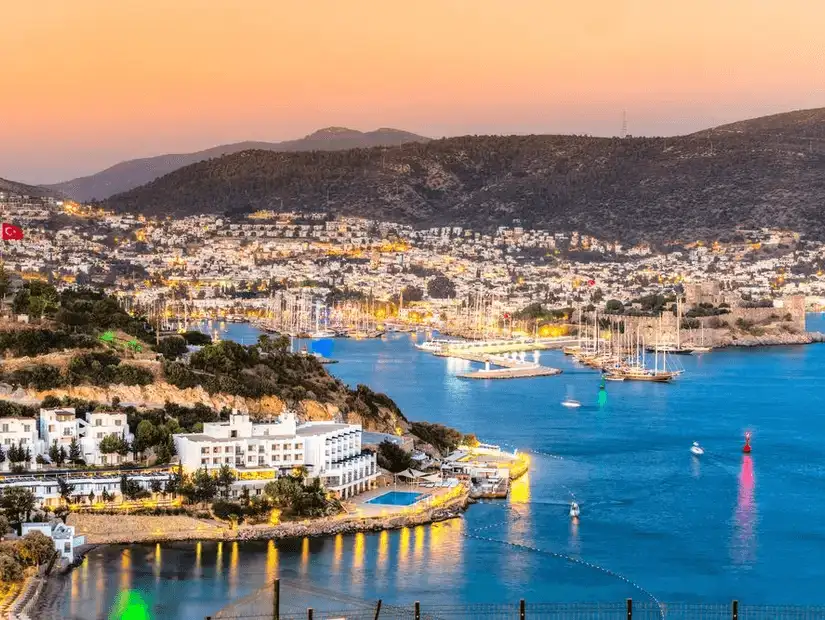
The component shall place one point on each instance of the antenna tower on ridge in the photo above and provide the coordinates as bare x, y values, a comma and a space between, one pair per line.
624, 123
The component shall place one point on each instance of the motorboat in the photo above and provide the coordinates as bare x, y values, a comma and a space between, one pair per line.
574, 510
322, 333
570, 403
696, 449
614, 378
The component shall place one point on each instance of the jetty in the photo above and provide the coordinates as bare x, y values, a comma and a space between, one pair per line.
507, 367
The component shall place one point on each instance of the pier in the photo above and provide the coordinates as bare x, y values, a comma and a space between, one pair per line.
508, 367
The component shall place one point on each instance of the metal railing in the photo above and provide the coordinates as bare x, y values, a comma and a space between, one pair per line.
523, 610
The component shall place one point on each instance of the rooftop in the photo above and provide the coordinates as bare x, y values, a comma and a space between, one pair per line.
319, 429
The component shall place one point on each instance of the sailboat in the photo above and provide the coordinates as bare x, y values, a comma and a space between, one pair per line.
320, 332
637, 369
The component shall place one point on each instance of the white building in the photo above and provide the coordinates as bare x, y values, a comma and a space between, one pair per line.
261, 451
257, 451
20, 432
96, 426
334, 452
58, 425
47, 491
65, 542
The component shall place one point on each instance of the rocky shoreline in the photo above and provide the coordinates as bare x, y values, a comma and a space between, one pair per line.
129, 529
769, 340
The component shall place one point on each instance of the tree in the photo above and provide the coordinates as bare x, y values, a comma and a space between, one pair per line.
412, 293
75, 455
5, 527
53, 452
614, 306
131, 489
146, 435
17, 503
205, 487
226, 477
172, 347
61, 455
2, 456
35, 548
114, 443
393, 457
441, 287
156, 486
10, 568
91, 497
470, 440
65, 489
105, 497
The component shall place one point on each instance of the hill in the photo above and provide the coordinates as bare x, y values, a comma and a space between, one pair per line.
22, 189
763, 172
129, 174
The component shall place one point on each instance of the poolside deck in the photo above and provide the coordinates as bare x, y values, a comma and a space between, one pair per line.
362, 508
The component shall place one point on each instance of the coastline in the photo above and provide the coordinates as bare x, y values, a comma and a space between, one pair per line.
134, 529
45, 602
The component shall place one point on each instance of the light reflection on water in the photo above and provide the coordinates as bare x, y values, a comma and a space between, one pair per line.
683, 529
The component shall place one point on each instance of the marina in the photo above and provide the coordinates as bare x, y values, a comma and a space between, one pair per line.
646, 502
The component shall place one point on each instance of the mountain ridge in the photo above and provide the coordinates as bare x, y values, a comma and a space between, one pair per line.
132, 173
768, 171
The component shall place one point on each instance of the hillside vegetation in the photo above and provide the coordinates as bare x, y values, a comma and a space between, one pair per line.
129, 174
763, 172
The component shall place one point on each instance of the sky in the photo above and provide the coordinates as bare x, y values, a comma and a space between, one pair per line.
85, 84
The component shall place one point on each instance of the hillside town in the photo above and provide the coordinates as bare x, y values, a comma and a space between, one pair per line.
225, 263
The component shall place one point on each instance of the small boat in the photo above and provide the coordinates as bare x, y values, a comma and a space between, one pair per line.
696, 449
322, 333
614, 378
574, 510
569, 402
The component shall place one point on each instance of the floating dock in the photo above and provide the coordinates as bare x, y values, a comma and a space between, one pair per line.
508, 368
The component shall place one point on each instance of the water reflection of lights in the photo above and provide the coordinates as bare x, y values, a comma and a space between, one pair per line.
403, 546
219, 560
125, 570
445, 546
520, 490
418, 545
304, 555
456, 365
271, 561
198, 554
383, 549
157, 563
337, 552
745, 518
575, 544
695, 467
358, 551
233, 569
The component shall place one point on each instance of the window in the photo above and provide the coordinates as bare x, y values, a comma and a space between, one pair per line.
204, 450
100, 435
5, 428
27, 428
233, 434
67, 431
204, 461
299, 446
7, 441
51, 428
98, 422
117, 422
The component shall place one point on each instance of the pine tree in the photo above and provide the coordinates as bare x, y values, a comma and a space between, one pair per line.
75, 455
61, 456
54, 452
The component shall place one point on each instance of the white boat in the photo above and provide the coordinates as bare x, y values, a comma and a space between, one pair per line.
569, 402
574, 510
614, 378
696, 449
322, 333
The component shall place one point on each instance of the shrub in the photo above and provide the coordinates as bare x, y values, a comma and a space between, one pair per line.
393, 457
172, 347
227, 511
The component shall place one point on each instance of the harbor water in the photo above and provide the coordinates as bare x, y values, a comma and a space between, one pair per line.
656, 522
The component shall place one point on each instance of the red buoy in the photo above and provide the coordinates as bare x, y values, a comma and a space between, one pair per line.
747, 448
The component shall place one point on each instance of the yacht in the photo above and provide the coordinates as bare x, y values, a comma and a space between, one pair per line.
570, 403
696, 449
574, 510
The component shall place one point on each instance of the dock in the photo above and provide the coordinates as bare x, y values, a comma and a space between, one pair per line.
508, 368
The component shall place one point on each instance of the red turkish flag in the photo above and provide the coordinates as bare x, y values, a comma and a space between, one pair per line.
591, 282
12, 232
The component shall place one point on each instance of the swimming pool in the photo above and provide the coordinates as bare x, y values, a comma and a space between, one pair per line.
396, 498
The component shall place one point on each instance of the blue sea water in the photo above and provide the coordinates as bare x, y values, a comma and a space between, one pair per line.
396, 498
655, 522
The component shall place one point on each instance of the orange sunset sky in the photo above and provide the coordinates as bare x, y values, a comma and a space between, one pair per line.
88, 83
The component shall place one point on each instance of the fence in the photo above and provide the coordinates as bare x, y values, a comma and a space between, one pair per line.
522, 610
